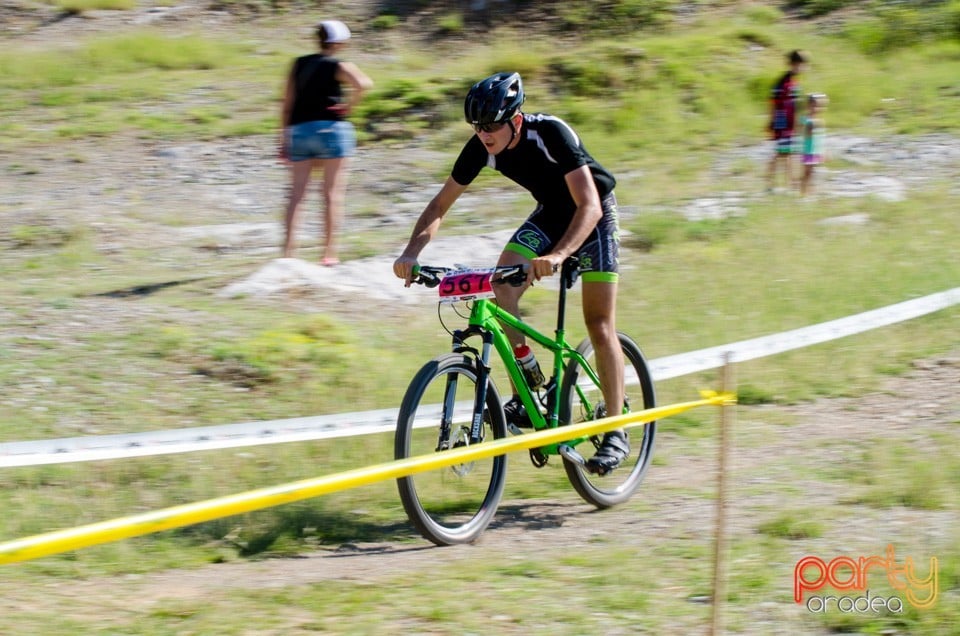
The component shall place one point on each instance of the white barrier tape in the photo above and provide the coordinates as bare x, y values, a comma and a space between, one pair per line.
713, 358
77, 449
186, 440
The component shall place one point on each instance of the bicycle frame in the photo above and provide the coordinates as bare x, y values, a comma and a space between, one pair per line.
487, 320
472, 411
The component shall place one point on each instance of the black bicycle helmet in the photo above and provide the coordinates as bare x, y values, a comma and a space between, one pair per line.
494, 99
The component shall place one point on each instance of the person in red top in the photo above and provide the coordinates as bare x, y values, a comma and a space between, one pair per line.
315, 133
783, 117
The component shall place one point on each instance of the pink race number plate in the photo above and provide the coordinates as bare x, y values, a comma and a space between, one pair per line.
466, 285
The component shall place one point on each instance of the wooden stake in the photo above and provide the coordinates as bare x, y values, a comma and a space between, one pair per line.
727, 414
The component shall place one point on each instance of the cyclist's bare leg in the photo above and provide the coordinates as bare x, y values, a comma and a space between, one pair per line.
508, 297
300, 177
599, 315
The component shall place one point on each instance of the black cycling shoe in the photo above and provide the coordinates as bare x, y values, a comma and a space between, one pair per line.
516, 414
614, 448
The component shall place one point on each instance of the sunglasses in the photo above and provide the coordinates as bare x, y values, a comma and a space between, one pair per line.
489, 128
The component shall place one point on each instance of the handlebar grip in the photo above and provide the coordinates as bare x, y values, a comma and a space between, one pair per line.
426, 276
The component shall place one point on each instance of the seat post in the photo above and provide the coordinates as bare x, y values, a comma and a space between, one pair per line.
568, 272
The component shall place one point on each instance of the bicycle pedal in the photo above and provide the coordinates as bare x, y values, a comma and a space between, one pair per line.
574, 457
514, 429
538, 458
571, 455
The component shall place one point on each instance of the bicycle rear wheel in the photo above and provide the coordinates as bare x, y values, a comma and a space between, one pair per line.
617, 486
453, 504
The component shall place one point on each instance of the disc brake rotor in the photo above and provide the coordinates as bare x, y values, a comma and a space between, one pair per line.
461, 437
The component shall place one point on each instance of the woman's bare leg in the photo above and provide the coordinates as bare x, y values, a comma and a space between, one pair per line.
300, 177
334, 195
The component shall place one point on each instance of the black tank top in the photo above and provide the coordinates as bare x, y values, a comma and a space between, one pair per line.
317, 89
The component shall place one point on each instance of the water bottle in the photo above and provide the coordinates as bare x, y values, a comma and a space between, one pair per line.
530, 366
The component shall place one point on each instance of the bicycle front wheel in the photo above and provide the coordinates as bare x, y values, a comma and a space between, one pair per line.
453, 504
581, 400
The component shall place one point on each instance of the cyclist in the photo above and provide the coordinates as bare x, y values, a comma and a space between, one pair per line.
575, 215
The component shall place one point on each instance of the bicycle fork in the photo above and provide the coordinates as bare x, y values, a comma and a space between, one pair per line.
480, 397
482, 366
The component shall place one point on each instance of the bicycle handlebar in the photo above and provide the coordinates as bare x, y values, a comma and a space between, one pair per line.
431, 275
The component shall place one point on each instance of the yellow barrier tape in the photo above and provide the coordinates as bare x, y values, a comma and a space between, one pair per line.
59, 541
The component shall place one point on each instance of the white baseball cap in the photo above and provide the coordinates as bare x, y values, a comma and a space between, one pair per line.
336, 31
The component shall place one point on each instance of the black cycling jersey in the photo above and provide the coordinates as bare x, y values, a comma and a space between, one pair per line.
317, 89
548, 150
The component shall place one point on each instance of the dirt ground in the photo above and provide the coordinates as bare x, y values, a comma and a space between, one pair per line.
912, 408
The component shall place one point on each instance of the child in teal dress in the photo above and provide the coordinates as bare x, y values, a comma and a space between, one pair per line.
812, 139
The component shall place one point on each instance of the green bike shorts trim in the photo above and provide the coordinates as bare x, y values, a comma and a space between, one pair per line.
599, 255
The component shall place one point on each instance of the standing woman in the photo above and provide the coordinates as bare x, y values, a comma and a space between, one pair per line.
315, 133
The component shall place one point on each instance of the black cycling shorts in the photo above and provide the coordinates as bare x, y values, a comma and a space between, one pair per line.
600, 253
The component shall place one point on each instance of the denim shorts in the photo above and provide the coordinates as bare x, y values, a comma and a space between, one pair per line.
324, 139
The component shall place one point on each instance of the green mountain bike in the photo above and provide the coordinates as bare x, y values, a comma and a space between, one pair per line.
453, 402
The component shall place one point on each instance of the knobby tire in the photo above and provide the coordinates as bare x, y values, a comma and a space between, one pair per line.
618, 486
453, 504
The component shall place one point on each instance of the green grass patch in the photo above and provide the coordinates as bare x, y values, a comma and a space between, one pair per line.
306, 346
81, 6
800, 524
899, 473
619, 88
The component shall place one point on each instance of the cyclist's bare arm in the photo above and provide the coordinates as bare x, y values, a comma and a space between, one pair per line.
426, 227
585, 218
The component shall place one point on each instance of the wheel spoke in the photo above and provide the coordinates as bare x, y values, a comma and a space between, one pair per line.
582, 401
453, 504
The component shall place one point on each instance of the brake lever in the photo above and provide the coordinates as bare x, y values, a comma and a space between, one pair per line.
429, 277
514, 278
428, 281
518, 279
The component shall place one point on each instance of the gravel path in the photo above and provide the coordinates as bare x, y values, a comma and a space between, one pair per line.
227, 196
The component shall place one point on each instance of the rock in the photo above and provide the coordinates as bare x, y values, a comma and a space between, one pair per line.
859, 218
